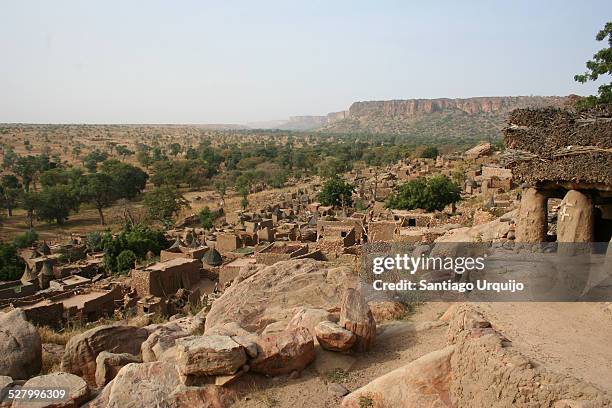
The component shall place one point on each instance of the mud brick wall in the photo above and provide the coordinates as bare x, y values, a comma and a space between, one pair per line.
51, 315
381, 231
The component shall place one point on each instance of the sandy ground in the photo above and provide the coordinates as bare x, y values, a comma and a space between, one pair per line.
570, 338
398, 343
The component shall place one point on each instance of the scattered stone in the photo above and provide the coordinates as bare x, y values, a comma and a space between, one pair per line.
20, 346
249, 342
337, 390
355, 316
282, 353
76, 389
333, 337
109, 364
81, 351
209, 355
383, 310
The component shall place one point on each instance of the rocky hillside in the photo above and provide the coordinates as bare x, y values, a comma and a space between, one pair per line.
476, 117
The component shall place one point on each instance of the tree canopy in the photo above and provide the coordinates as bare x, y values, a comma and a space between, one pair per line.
336, 192
430, 194
600, 65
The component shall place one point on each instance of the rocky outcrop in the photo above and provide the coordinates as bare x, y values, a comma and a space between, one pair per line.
284, 352
20, 346
262, 294
434, 117
81, 351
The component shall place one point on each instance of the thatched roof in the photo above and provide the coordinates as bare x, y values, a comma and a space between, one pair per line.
561, 146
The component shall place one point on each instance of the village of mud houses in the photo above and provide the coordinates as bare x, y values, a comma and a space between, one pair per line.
305, 204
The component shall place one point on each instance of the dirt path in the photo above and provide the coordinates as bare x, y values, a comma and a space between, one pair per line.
571, 338
398, 343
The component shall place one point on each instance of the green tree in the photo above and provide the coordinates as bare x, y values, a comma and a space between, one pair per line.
11, 264
430, 153
100, 190
164, 203
129, 181
336, 192
55, 203
600, 65
93, 158
9, 192
175, 148
138, 239
430, 194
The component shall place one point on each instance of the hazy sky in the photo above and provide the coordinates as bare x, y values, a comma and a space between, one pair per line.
127, 61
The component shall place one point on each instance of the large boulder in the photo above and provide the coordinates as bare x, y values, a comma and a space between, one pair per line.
493, 231
109, 364
282, 353
158, 384
263, 294
81, 351
20, 346
76, 389
333, 337
140, 385
424, 382
209, 355
355, 316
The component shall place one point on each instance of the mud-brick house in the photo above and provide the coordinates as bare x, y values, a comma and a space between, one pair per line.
381, 231
182, 252
227, 242
280, 251
419, 219
165, 278
337, 231
229, 271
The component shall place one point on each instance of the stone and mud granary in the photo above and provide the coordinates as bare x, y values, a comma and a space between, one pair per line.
564, 155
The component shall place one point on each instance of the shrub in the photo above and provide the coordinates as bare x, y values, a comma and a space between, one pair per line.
207, 217
26, 239
126, 261
11, 264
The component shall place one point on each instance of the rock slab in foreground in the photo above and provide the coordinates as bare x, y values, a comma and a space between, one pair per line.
109, 364
424, 382
20, 346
